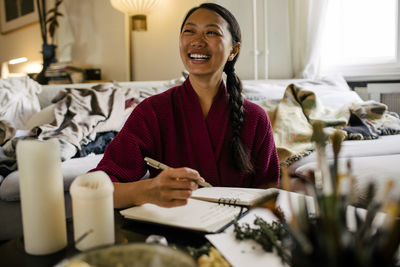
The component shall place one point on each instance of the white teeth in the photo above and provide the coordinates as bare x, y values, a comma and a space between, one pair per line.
198, 56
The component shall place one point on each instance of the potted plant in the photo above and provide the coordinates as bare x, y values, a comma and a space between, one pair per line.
48, 24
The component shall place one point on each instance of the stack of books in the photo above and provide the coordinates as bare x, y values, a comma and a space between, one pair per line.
65, 73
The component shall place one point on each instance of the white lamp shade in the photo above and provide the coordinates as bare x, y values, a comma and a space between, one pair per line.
134, 7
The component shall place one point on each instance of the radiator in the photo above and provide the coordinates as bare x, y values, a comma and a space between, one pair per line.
392, 100
387, 93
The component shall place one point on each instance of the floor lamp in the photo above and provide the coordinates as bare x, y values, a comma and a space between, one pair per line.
136, 10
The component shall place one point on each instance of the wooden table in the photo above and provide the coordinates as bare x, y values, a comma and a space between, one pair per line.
12, 252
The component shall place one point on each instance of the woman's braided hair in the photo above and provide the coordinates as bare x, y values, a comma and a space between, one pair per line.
240, 157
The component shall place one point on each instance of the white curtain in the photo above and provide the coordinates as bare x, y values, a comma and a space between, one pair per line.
64, 34
307, 20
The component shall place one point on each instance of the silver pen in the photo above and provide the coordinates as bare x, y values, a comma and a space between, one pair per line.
160, 166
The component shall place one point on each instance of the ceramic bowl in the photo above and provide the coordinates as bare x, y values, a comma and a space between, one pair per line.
131, 255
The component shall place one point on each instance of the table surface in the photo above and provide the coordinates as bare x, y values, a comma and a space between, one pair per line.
12, 252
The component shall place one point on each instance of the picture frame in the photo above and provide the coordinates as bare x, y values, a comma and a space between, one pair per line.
15, 14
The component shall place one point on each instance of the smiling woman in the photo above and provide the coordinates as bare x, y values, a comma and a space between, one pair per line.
203, 129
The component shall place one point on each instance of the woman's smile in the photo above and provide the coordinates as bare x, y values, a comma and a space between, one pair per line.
198, 58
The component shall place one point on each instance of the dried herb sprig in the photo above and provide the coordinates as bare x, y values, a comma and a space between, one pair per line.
197, 252
268, 235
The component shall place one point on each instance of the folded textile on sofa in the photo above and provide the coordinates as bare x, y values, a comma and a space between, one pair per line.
18, 100
79, 112
376, 114
293, 115
8, 159
6, 132
359, 129
97, 146
292, 119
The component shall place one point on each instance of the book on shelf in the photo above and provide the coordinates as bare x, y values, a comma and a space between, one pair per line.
60, 80
65, 72
209, 209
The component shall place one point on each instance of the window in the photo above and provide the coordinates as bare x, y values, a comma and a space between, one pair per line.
361, 38
16, 13
17, 8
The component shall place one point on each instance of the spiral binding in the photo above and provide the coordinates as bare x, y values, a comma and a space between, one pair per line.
228, 201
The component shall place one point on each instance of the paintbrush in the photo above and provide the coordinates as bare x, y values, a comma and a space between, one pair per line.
322, 174
336, 140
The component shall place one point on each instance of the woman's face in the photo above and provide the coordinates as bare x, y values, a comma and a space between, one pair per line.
205, 43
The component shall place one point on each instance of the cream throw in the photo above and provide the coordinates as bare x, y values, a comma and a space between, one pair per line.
292, 119
80, 112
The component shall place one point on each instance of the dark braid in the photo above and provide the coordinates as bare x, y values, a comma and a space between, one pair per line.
239, 151
240, 156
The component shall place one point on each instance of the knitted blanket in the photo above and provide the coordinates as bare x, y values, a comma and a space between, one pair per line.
293, 116
79, 112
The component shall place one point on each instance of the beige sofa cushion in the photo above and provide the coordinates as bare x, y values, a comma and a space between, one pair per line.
377, 169
9, 188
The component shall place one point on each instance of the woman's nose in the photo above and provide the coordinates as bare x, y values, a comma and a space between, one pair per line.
198, 41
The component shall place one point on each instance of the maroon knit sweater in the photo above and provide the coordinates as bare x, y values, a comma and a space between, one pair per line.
170, 127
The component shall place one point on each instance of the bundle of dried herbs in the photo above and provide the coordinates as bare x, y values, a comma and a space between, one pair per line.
268, 235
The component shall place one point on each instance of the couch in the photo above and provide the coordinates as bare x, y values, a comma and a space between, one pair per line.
372, 143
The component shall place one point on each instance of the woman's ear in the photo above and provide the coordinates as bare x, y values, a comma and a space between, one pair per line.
235, 51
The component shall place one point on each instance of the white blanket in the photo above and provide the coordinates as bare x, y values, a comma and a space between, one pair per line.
18, 100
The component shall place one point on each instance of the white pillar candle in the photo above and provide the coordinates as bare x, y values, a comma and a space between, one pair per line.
42, 196
92, 210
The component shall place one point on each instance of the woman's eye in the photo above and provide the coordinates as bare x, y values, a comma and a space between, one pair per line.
212, 33
188, 31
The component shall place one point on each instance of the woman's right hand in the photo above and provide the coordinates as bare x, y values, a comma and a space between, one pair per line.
172, 187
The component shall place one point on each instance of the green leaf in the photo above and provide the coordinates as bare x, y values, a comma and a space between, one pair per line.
52, 29
50, 19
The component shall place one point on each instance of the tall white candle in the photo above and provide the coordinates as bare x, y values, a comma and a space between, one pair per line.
92, 210
42, 196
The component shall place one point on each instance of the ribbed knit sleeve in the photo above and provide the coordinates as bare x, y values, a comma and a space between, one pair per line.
123, 157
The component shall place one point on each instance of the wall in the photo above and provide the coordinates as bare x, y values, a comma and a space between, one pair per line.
98, 34
280, 64
91, 32
156, 51
156, 54
24, 42
277, 63
94, 33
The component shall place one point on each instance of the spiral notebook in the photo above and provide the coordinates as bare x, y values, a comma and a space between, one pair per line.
209, 210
